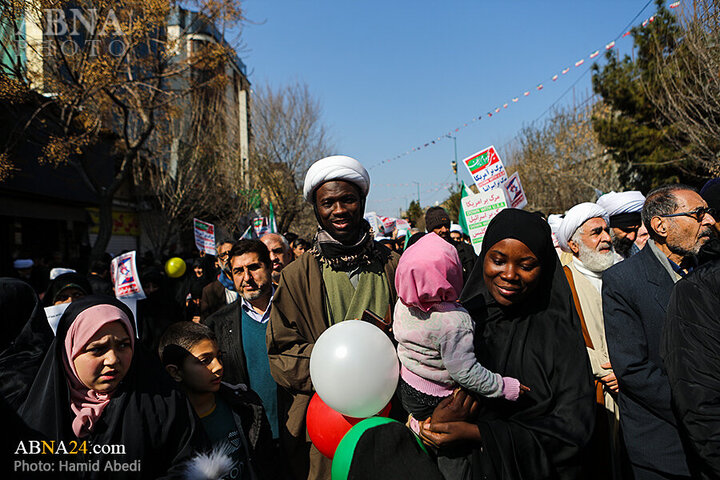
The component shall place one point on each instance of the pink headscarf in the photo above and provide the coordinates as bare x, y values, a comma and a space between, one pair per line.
429, 273
87, 404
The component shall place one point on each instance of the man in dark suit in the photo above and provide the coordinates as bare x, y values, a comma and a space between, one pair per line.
240, 327
635, 298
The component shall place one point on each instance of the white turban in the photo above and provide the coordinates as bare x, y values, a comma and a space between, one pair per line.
337, 167
454, 227
56, 272
615, 203
554, 220
574, 218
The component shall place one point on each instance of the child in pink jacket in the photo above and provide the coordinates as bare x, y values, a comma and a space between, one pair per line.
435, 333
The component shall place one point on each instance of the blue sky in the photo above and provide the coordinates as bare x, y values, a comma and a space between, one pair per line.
393, 75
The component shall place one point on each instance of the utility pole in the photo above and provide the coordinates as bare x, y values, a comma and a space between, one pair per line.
418, 192
454, 163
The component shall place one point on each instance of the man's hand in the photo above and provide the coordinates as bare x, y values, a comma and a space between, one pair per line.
444, 434
610, 381
458, 407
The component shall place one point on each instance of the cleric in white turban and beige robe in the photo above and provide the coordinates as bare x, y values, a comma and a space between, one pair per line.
345, 273
584, 233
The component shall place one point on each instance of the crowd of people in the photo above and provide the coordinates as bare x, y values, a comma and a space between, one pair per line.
584, 345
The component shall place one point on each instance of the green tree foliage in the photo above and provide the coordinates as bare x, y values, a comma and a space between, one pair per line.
414, 213
452, 203
627, 122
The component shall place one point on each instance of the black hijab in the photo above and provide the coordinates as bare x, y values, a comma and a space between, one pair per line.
26, 337
61, 282
539, 342
147, 413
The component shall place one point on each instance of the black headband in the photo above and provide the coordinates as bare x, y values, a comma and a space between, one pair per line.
625, 220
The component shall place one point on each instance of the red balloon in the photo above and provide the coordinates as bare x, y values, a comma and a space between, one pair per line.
327, 427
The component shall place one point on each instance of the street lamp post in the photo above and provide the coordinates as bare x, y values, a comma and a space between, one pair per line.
418, 192
454, 163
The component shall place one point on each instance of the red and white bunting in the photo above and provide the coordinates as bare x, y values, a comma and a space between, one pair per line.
539, 87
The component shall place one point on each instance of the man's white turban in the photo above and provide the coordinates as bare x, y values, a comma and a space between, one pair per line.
337, 167
574, 218
554, 220
622, 202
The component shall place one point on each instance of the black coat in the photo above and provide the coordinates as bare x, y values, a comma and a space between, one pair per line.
249, 413
691, 351
467, 258
539, 341
635, 295
227, 325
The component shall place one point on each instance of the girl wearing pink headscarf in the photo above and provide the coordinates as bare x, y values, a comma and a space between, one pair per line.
98, 386
435, 333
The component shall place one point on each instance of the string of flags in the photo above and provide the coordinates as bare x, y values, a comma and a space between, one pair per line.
411, 195
526, 93
408, 184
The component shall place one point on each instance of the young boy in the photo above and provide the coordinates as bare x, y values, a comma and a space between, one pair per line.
233, 416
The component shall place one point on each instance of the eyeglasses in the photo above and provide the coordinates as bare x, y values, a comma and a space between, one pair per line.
225, 255
698, 214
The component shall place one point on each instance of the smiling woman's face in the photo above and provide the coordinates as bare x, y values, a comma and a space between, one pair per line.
511, 271
105, 360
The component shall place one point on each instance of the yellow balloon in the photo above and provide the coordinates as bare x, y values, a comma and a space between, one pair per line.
175, 267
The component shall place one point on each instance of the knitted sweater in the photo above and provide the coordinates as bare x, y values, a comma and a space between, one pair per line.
438, 346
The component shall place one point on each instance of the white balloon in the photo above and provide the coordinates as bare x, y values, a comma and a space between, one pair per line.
354, 368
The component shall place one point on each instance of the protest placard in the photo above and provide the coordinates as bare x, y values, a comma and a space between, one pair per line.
479, 209
124, 273
260, 225
204, 236
402, 224
53, 314
388, 224
515, 192
375, 222
486, 169
125, 278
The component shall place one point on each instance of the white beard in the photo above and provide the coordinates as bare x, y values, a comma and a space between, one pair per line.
595, 261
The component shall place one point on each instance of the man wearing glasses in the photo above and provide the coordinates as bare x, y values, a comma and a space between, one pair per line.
220, 292
635, 295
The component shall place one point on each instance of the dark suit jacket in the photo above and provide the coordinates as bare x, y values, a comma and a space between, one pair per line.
213, 298
635, 296
227, 327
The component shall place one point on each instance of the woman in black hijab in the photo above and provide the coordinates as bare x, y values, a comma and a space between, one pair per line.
525, 327
26, 337
66, 288
97, 384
